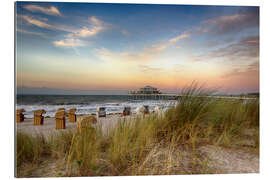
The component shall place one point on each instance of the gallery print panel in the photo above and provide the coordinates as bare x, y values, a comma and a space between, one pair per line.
110, 89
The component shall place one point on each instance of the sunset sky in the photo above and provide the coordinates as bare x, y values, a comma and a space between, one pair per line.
121, 47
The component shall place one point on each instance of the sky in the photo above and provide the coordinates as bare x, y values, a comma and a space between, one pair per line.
81, 47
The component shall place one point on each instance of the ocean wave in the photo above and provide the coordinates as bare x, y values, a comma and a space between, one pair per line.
91, 108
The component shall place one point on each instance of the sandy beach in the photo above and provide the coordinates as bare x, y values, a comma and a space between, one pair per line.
49, 126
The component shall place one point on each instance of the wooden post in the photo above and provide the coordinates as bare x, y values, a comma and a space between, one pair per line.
71, 115
38, 118
19, 115
60, 119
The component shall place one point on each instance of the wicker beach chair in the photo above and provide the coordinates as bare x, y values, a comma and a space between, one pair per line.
60, 109
146, 109
101, 112
71, 115
19, 115
126, 111
38, 117
85, 122
60, 118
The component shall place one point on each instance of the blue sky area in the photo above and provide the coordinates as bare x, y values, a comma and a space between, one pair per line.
120, 47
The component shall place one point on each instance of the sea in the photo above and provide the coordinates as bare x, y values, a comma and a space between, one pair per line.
85, 104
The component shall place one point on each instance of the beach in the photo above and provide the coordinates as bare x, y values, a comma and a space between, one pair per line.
49, 126
84, 104
193, 137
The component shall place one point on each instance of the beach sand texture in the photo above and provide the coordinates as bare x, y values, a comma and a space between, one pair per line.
49, 126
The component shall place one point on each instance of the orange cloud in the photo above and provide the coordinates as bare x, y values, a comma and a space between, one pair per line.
46, 10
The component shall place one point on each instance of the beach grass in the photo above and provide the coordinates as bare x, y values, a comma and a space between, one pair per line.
154, 144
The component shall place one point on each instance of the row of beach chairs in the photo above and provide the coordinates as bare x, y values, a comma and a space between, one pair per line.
60, 116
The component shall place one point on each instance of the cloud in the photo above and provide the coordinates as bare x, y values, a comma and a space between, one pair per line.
251, 70
96, 27
158, 48
95, 20
87, 31
219, 42
33, 33
147, 54
69, 43
179, 37
245, 49
42, 24
144, 68
72, 39
233, 23
46, 10
226, 19
126, 56
124, 32
36, 22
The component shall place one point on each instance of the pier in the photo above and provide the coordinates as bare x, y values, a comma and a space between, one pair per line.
154, 96
177, 96
151, 93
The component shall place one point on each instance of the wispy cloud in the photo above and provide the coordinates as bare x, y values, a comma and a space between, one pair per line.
87, 32
73, 38
218, 42
33, 33
95, 20
245, 49
125, 56
95, 27
144, 68
179, 37
147, 54
251, 71
158, 48
52, 10
233, 23
42, 24
69, 43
